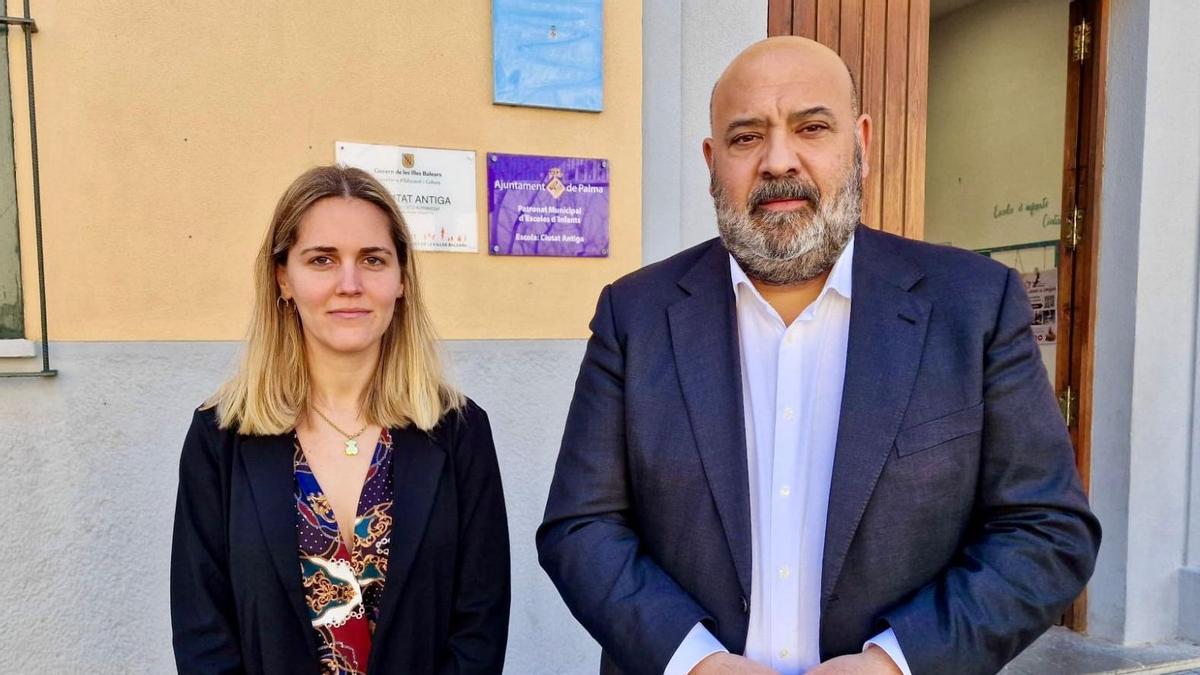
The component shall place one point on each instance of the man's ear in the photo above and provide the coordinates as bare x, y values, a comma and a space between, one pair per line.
863, 129
707, 147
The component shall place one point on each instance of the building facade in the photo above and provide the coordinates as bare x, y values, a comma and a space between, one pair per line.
165, 136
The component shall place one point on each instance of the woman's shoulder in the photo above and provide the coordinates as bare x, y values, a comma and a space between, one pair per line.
465, 416
206, 432
207, 420
470, 411
205, 416
469, 444
461, 424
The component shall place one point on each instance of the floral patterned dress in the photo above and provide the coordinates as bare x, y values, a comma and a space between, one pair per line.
343, 587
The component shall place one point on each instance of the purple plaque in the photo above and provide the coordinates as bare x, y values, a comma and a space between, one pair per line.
556, 206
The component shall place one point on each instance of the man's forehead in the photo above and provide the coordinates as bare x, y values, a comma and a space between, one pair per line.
781, 96
799, 75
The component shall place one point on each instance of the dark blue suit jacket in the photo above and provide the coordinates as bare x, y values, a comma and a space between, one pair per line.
955, 517
237, 600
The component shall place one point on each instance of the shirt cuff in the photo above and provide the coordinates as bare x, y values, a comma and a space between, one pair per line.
698, 645
887, 642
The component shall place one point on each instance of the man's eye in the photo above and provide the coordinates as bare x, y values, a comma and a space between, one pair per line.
743, 139
813, 128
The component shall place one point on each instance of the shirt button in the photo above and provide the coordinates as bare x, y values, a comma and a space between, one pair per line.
784, 572
785, 491
788, 413
783, 653
790, 338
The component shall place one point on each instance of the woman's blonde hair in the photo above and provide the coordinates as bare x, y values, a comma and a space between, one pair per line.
271, 387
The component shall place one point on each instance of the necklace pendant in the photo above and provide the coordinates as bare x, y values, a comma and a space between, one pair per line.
351, 447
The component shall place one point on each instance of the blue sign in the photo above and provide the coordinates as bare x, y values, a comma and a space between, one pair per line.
549, 54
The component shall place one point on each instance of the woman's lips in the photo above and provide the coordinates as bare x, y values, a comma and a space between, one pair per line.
350, 313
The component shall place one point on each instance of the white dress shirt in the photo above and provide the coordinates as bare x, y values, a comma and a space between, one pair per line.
792, 378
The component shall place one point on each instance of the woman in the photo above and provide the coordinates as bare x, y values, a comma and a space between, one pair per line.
339, 507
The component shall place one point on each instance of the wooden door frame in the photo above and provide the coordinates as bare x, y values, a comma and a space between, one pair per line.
1083, 162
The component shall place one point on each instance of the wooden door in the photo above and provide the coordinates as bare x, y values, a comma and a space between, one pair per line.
886, 45
1083, 143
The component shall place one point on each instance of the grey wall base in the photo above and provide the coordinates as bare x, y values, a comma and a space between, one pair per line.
88, 471
1189, 603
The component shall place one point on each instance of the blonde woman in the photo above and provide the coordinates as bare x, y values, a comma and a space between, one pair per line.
339, 507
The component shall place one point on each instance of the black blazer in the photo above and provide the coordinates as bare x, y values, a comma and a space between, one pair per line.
955, 515
237, 603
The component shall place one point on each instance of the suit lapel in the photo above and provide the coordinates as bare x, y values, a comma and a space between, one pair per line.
417, 461
268, 461
705, 341
886, 339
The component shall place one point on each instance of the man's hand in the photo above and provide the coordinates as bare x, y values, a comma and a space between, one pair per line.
722, 663
873, 661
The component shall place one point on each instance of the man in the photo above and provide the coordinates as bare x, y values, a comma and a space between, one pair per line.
808, 445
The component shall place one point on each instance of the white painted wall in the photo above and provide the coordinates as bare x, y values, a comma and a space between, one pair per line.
1116, 298
1145, 408
685, 47
1164, 357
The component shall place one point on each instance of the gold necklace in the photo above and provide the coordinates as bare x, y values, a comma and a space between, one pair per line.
351, 439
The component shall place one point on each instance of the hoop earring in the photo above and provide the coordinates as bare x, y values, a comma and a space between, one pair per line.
285, 304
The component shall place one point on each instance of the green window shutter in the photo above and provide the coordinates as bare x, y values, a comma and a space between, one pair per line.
12, 315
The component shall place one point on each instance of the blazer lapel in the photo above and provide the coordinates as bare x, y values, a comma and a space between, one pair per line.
887, 337
416, 473
268, 461
705, 341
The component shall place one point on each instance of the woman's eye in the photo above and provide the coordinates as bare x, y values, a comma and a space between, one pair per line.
322, 260
373, 261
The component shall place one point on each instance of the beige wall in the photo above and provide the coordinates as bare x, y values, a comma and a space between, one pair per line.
997, 91
168, 130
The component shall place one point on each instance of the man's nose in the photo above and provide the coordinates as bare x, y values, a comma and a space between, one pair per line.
781, 158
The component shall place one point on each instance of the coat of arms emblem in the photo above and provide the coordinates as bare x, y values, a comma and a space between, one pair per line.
554, 184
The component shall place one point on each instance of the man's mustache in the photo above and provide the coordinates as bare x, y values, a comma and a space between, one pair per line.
779, 189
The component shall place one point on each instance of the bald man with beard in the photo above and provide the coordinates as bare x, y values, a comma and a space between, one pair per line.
809, 446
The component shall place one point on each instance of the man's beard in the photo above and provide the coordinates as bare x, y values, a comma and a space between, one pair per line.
789, 247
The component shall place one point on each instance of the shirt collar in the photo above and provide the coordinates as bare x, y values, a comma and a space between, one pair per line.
839, 280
